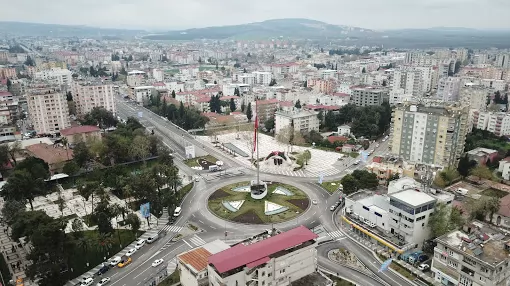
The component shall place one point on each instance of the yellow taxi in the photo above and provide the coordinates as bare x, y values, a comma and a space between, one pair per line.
125, 260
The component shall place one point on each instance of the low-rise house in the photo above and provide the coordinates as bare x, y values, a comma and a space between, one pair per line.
482, 155
85, 133
55, 156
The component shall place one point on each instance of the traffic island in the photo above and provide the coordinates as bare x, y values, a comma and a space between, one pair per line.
236, 203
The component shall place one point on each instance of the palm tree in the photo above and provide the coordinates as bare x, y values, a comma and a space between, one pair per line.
65, 142
134, 223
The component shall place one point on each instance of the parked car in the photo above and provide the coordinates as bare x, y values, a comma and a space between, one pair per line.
332, 208
140, 243
157, 262
131, 251
103, 269
424, 267
87, 282
103, 281
114, 261
423, 258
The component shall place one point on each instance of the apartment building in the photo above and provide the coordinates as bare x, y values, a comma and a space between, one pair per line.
8, 73
265, 109
448, 88
430, 132
90, 94
55, 76
476, 255
327, 86
47, 109
503, 60
368, 95
140, 93
475, 95
301, 120
263, 78
276, 260
495, 122
415, 81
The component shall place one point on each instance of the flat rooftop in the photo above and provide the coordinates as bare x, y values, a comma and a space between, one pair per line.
479, 240
413, 198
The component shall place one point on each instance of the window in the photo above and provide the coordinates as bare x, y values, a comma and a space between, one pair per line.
378, 214
364, 207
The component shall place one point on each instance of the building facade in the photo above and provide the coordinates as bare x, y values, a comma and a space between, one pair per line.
300, 121
495, 122
47, 109
476, 255
88, 95
429, 133
368, 96
448, 88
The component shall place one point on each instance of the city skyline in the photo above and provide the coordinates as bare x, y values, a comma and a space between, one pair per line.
172, 15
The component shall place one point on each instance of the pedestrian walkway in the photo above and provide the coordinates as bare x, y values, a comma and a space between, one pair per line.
336, 234
196, 241
172, 228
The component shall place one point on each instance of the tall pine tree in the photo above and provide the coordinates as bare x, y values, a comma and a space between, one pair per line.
249, 112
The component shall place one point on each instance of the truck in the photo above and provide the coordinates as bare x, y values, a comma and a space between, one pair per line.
214, 168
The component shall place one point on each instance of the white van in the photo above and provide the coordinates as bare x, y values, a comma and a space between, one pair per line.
153, 238
177, 211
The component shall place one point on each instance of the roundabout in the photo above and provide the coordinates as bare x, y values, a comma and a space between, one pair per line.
236, 203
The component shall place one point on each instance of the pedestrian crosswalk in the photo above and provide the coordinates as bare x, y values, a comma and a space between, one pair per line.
172, 228
336, 234
197, 241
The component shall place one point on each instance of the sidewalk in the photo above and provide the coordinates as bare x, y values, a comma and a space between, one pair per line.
14, 255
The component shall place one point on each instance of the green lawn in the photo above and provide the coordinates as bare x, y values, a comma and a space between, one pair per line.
404, 272
494, 193
331, 187
94, 253
194, 162
257, 206
171, 280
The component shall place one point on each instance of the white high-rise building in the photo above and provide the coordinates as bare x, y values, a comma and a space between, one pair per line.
47, 109
55, 76
448, 88
158, 74
263, 78
301, 120
415, 81
90, 94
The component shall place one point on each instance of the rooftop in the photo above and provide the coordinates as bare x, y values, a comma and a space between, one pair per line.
79, 130
479, 240
50, 154
413, 197
241, 255
197, 258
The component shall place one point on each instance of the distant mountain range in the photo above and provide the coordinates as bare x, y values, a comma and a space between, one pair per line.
285, 29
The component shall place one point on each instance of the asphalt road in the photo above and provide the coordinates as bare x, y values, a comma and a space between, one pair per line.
195, 210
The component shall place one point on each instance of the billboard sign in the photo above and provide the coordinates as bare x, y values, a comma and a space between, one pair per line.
145, 210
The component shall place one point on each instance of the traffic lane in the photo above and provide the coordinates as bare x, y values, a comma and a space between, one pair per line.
348, 273
372, 263
137, 274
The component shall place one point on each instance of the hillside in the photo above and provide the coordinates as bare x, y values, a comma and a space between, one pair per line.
286, 28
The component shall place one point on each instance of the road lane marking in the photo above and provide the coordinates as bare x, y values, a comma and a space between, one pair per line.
201, 222
187, 243
212, 227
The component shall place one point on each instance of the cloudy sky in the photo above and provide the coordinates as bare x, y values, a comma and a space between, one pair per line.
180, 14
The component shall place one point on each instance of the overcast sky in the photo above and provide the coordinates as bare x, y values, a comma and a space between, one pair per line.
180, 14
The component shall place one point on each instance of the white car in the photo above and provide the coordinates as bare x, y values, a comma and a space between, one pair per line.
131, 252
423, 267
139, 244
103, 281
87, 281
314, 202
114, 261
157, 262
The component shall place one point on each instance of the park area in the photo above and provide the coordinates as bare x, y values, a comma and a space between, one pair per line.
282, 203
202, 162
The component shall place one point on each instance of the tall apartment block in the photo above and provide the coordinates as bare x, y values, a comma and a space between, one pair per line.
369, 95
90, 94
47, 108
429, 132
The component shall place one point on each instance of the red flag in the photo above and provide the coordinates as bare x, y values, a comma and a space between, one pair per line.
255, 134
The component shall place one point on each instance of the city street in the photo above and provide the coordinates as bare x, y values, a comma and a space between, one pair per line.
194, 209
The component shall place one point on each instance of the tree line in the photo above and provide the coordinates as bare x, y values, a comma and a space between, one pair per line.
184, 117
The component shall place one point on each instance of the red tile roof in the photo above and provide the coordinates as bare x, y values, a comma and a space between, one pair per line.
252, 254
196, 258
50, 154
333, 139
267, 101
79, 130
5, 93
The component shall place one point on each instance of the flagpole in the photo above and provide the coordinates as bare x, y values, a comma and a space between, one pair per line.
257, 141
